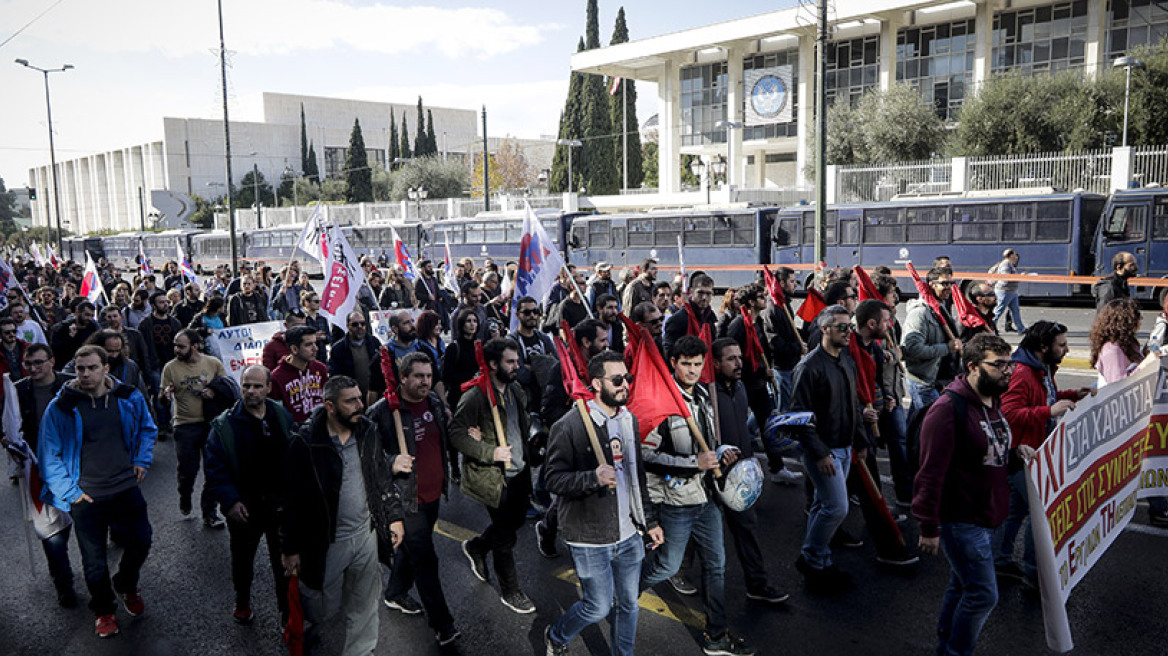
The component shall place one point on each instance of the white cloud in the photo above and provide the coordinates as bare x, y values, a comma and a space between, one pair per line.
178, 28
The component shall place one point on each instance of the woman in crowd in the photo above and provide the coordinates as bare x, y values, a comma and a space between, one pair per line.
430, 337
459, 364
211, 318
398, 292
1114, 347
726, 313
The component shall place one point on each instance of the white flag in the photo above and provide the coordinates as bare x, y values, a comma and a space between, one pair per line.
35, 250
449, 279
91, 287
343, 276
312, 238
184, 263
539, 264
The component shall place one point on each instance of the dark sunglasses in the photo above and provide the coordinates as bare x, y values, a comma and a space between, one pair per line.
842, 327
530, 311
626, 379
356, 324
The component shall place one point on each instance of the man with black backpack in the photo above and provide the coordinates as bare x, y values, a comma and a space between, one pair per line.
962, 493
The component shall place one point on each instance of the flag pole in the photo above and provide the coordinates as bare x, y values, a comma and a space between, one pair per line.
587, 307
582, 407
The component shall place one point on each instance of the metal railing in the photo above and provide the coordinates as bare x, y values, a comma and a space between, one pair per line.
860, 183
1090, 170
773, 195
1150, 165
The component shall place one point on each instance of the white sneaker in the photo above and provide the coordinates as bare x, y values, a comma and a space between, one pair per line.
786, 477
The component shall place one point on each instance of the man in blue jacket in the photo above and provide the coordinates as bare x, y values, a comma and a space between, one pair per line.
96, 443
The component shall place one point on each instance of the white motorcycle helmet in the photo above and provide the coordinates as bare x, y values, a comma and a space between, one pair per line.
740, 485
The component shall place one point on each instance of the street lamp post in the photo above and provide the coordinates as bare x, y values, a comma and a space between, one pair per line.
255, 185
570, 143
289, 174
52, 148
1126, 63
698, 167
418, 195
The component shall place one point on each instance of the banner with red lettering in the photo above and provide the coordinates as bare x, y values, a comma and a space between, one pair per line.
241, 346
1083, 484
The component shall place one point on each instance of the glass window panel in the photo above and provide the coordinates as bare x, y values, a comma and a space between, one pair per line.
1160, 226
1013, 231
666, 231
640, 232
742, 228
697, 231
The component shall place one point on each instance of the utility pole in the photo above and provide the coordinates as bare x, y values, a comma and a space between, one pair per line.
821, 136
227, 148
255, 183
142, 209
486, 166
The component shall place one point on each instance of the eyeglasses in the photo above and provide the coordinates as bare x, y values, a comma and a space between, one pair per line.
1005, 366
655, 322
842, 327
530, 312
7, 332
356, 324
943, 283
851, 296
626, 379
34, 363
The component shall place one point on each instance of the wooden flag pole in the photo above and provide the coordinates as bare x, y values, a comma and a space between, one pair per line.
702, 446
873, 491
791, 320
592, 437
401, 436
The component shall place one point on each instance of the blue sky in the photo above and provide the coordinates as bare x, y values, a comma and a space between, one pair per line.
139, 60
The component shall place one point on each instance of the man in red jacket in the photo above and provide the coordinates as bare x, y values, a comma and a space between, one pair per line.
1032, 405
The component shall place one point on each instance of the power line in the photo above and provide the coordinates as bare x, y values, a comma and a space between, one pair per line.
28, 24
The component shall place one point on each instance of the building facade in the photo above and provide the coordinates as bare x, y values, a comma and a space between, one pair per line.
744, 89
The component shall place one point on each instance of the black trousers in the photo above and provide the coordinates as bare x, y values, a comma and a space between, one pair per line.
743, 526
190, 446
121, 518
245, 541
500, 537
416, 564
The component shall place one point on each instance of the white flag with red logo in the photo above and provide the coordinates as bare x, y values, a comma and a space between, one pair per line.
343, 276
312, 238
91, 287
35, 250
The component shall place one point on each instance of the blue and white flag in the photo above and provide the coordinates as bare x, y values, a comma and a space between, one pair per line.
539, 264
144, 260
184, 263
402, 256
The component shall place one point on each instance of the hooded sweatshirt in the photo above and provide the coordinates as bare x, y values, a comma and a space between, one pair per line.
1027, 403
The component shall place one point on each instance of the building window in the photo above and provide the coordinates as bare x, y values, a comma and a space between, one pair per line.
703, 104
770, 60
375, 156
938, 61
1134, 23
853, 67
1050, 38
334, 161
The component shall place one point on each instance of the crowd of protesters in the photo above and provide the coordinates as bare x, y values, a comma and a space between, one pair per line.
339, 449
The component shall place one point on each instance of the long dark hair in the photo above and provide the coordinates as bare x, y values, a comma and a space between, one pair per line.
460, 321
1117, 322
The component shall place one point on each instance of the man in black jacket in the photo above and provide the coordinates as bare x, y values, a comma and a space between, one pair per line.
245, 456
604, 506
1123, 267
158, 330
358, 356
689, 318
341, 512
421, 478
70, 334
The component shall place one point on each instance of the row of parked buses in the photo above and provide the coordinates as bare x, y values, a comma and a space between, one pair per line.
1053, 232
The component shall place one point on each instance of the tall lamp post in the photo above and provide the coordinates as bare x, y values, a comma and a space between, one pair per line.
570, 143
418, 194
698, 168
255, 185
52, 148
1127, 63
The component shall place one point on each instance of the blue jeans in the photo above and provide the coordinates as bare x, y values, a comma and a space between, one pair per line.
1009, 301
121, 519
829, 506
703, 523
56, 548
894, 428
973, 589
1006, 534
922, 396
784, 379
606, 573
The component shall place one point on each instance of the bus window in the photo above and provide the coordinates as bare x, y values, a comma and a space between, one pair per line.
785, 230
598, 234
742, 227
1054, 221
697, 230
849, 229
975, 223
1126, 223
809, 228
515, 232
474, 233
495, 233
926, 225
1017, 222
640, 232
666, 232
883, 225
579, 238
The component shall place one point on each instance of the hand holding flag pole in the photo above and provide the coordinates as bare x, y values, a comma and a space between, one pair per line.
483, 382
926, 294
579, 393
775, 288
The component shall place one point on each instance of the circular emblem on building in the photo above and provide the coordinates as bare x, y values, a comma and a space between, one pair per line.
904, 253
768, 97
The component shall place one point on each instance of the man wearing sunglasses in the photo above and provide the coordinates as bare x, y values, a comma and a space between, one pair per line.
358, 356
604, 508
533, 346
928, 351
983, 299
962, 493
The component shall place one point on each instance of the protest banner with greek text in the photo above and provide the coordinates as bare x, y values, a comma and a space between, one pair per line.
242, 346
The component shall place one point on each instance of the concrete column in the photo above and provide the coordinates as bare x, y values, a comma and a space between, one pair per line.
805, 137
889, 26
959, 173
1096, 55
1122, 167
668, 133
983, 50
735, 157
832, 175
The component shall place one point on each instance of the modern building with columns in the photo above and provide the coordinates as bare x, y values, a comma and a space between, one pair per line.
744, 89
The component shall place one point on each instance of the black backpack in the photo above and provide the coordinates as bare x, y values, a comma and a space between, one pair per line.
913, 439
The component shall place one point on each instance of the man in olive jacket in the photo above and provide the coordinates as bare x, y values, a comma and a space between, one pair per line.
604, 507
497, 476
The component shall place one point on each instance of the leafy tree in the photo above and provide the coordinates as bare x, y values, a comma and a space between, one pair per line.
245, 192
334, 190
421, 148
591, 26
441, 179
303, 141
7, 209
626, 100
382, 182
306, 190
687, 174
312, 170
404, 147
570, 128
649, 153
204, 216
1148, 122
598, 155
394, 150
494, 174
897, 126
358, 177
512, 166
40, 234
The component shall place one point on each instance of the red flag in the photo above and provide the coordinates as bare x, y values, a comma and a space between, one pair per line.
655, 395
483, 380
812, 305
294, 629
390, 373
708, 366
633, 332
573, 382
867, 287
865, 371
774, 287
966, 313
926, 293
753, 351
578, 361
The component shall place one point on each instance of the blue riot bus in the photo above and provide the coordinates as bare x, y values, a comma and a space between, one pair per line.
1136, 221
1053, 232
494, 235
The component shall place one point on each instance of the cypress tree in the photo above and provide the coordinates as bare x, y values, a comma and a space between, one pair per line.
358, 175
430, 138
592, 26
303, 142
394, 153
311, 170
405, 140
597, 157
626, 100
569, 129
420, 146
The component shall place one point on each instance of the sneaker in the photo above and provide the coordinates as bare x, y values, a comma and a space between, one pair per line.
786, 477
827, 579
404, 603
1158, 519
769, 594
478, 563
545, 540
518, 602
553, 648
726, 645
1010, 571
901, 559
184, 506
682, 586
134, 603
214, 522
242, 614
446, 636
106, 626
843, 539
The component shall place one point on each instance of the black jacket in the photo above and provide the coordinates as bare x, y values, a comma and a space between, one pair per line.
235, 430
407, 483
781, 338
158, 353
65, 346
312, 488
733, 413
30, 421
1108, 289
737, 331
340, 362
677, 326
458, 366
588, 511
826, 386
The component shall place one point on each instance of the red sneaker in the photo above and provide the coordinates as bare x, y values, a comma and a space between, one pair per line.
133, 603
242, 614
106, 626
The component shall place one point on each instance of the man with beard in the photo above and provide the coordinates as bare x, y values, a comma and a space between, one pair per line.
495, 475
641, 290
648, 316
421, 477
70, 334
139, 308
248, 305
11, 350
429, 295
191, 305
403, 338
962, 493
26, 329
334, 532
299, 379
186, 382
245, 457
158, 330
689, 318
48, 310
929, 353
1123, 268
533, 345
358, 356
120, 366
608, 311
984, 300
1032, 405
604, 505
113, 320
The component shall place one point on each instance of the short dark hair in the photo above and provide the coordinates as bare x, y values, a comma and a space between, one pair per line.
85, 305
335, 385
406, 366
37, 347
836, 292
587, 330
868, 310
213, 304
747, 294
688, 347
936, 272
1041, 334
193, 336
468, 286
596, 364
701, 280
720, 345
641, 309
525, 300
90, 349
98, 338
153, 296
663, 283
648, 262
882, 270
885, 283
295, 335
395, 319
8, 320
783, 273
982, 344
604, 299
493, 349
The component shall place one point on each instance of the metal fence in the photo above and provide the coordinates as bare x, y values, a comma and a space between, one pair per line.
1089, 170
774, 195
867, 183
1150, 165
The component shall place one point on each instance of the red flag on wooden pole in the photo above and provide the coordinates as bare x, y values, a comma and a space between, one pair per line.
654, 395
573, 384
774, 287
812, 305
926, 294
867, 287
753, 352
708, 366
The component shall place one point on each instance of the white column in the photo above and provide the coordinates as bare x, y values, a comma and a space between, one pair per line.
983, 50
735, 157
1121, 167
804, 139
668, 129
889, 26
959, 167
1096, 55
